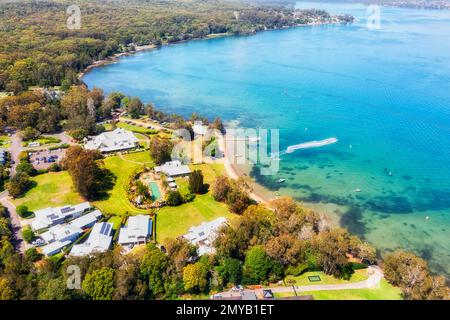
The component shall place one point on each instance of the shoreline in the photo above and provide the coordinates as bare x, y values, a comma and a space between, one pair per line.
116, 56
258, 192
233, 173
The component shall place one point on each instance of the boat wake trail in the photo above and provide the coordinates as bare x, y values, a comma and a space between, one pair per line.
307, 145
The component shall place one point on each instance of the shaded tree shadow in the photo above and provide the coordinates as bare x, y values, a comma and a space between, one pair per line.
106, 180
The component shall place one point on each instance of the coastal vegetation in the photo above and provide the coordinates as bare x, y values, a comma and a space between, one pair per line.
53, 55
260, 244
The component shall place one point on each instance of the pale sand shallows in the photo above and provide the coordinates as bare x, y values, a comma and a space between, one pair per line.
233, 173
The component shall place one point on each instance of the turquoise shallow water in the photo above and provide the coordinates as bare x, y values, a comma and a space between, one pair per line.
383, 92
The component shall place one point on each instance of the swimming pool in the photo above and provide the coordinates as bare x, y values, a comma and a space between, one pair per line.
156, 194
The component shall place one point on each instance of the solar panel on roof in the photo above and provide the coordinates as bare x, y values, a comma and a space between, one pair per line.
53, 216
102, 228
67, 209
108, 227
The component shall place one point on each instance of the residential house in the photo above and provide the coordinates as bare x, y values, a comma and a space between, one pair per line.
204, 235
173, 169
54, 247
116, 140
99, 240
137, 231
61, 233
52, 216
87, 221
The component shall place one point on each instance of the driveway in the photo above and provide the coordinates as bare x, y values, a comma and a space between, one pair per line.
16, 226
15, 149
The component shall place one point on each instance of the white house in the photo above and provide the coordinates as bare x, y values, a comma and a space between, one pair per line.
87, 220
173, 168
52, 216
61, 233
54, 247
138, 231
204, 235
116, 140
99, 240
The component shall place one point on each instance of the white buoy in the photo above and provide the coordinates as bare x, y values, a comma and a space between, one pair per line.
390, 173
427, 217
306, 129
350, 146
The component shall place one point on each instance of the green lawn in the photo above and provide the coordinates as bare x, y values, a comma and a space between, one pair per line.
131, 127
143, 140
172, 222
43, 140
385, 292
302, 280
116, 221
5, 142
210, 171
117, 203
53, 189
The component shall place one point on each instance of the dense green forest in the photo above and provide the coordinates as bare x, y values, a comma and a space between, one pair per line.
37, 47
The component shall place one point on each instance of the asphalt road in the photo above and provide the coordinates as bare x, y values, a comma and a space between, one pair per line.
18, 242
15, 149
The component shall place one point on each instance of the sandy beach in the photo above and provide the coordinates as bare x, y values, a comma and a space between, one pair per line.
233, 173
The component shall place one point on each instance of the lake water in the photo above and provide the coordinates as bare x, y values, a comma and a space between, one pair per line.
384, 94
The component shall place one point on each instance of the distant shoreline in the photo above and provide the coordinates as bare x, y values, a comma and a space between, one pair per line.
115, 57
258, 192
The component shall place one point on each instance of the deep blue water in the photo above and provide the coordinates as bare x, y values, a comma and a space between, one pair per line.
383, 93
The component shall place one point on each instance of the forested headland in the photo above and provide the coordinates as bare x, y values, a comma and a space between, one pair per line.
37, 47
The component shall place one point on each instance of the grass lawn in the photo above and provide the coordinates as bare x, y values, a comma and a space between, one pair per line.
53, 189
117, 203
116, 221
143, 140
302, 280
5, 142
385, 292
172, 222
210, 171
130, 127
43, 140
